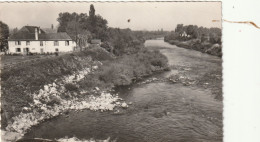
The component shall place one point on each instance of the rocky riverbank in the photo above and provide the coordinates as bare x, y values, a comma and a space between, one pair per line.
53, 100
86, 88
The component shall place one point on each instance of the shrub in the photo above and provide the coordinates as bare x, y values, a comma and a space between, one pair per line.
92, 80
133, 66
117, 74
71, 87
98, 53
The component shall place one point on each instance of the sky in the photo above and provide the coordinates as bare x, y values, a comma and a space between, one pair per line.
142, 15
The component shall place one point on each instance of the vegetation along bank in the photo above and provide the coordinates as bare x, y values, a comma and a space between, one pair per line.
205, 40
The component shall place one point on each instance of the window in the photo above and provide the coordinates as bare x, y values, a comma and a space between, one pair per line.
41, 43
57, 50
17, 42
18, 49
56, 43
27, 42
67, 43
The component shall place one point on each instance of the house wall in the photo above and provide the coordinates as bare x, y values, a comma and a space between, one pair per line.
34, 47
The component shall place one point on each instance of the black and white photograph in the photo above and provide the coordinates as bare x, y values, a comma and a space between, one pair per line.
111, 71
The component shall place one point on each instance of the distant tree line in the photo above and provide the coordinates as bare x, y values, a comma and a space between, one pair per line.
151, 34
188, 32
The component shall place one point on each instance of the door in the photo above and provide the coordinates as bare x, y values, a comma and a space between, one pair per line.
26, 50
41, 50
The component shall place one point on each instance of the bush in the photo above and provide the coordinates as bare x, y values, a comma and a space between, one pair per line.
92, 80
117, 74
71, 87
125, 69
129, 67
98, 53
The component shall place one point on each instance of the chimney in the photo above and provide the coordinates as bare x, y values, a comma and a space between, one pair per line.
36, 34
39, 30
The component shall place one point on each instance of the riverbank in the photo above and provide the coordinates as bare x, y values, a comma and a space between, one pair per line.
204, 47
18, 82
182, 111
71, 82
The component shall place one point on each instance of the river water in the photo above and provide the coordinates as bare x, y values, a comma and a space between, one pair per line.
160, 112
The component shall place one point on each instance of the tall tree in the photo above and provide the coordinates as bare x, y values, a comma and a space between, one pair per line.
4, 33
92, 20
92, 11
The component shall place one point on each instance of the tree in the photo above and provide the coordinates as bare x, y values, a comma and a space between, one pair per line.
73, 28
189, 30
179, 29
92, 11
192, 31
99, 29
15, 30
63, 19
4, 33
214, 38
73, 24
96, 24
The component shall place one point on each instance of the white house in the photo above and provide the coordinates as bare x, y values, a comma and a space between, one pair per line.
184, 34
35, 40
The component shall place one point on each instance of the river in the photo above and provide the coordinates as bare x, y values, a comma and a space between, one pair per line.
161, 111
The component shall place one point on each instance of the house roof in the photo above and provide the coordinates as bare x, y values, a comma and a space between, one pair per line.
31, 29
28, 33
54, 36
41, 37
49, 30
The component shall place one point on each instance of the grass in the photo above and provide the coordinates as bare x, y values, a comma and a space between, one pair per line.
16, 60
